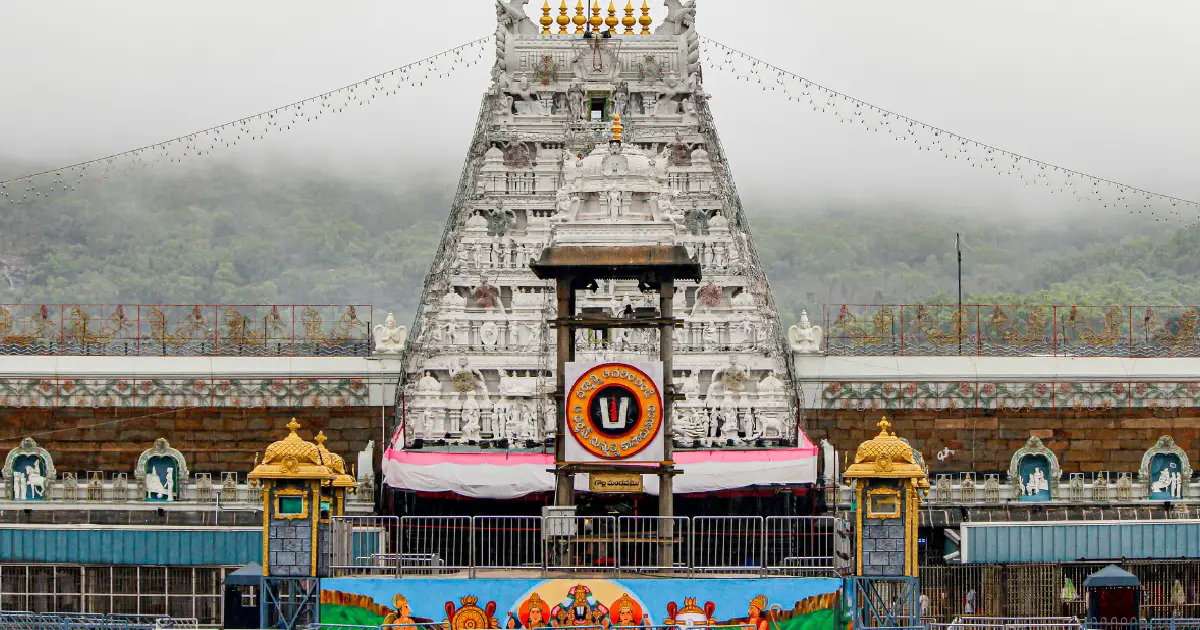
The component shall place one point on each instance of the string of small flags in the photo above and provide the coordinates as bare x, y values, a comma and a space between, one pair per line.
952, 146
255, 127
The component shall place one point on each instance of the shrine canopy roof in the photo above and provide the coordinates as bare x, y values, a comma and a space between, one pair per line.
660, 262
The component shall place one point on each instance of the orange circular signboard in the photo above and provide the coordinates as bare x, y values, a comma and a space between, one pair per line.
614, 411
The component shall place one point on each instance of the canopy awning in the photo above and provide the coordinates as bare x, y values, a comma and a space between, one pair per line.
1111, 576
249, 575
499, 475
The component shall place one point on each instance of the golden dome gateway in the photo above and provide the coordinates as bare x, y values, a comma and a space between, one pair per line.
886, 456
293, 458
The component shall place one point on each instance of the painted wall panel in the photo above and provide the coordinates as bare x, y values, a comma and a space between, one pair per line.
757, 604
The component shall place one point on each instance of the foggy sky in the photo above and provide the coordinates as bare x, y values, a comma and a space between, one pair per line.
1103, 86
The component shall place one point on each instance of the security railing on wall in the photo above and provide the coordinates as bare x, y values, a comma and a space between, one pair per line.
449, 546
1012, 330
185, 330
1170, 589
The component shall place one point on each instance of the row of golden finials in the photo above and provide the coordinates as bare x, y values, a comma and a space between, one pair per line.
595, 21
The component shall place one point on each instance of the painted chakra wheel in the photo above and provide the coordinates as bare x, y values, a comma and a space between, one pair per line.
616, 411
470, 616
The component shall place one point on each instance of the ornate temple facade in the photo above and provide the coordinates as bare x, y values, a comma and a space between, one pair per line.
479, 360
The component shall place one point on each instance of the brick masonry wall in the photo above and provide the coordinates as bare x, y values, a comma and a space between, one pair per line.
211, 440
1084, 441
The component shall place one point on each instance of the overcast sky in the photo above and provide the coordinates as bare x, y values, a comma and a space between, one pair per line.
1106, 87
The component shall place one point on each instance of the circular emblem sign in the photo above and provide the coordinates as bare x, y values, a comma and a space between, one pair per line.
614, 411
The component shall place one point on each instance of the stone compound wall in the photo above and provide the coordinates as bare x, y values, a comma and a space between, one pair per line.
1084, 440
211, 440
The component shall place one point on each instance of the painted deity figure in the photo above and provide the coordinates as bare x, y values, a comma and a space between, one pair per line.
1037, 482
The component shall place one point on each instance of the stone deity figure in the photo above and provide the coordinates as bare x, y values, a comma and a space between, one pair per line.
681, 16
691, 385
427, 423
550, 418
805, 338
732, 376
429, 385
614, 202
665, 206
535, 333
471, 378
499, 419
729, 423
1037, 482
390, 338
511, 17
710, 336
564, 206
527, 429
620, 98
20, 486
470, 427
576, 101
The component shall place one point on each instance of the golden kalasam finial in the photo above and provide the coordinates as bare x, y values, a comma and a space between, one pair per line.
629, 21
563, 18
579, 20
611, 21
596, 20
617, 128
645, 20
293, 426
883, 427
546, 19
320, 439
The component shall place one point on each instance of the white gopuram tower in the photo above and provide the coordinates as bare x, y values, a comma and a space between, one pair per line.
479, 361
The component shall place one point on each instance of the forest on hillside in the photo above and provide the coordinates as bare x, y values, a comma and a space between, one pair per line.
227, 235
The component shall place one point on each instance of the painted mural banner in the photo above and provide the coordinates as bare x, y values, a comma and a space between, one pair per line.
462, 604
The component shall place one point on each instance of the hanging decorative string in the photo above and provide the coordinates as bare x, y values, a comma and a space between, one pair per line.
926, 137
254, 127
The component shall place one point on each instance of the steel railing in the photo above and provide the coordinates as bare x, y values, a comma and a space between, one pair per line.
23, 620
257, 330
467, 545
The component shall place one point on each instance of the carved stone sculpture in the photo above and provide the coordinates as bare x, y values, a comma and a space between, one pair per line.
511, 17
681, 16
390, 338
429, 385
805, 338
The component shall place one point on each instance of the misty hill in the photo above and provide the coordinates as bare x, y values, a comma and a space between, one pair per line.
225, 235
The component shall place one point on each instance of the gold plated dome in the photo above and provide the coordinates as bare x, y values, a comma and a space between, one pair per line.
886, 456
335, 463
292, 458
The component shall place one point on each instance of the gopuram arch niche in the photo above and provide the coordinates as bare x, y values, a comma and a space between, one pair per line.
28, 471
1034, 472
1165, 471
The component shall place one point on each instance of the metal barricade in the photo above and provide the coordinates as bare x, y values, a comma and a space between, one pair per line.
799, 545
1115, 623
1009, 623
21, 620
727, 544
364, 544
1174, 623
509, 543
653, 543
435, 545
580, 543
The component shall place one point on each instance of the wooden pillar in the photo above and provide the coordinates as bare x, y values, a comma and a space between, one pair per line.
666, 492
564, 486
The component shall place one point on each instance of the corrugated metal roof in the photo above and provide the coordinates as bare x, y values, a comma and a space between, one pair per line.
81, 544
1068, 542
